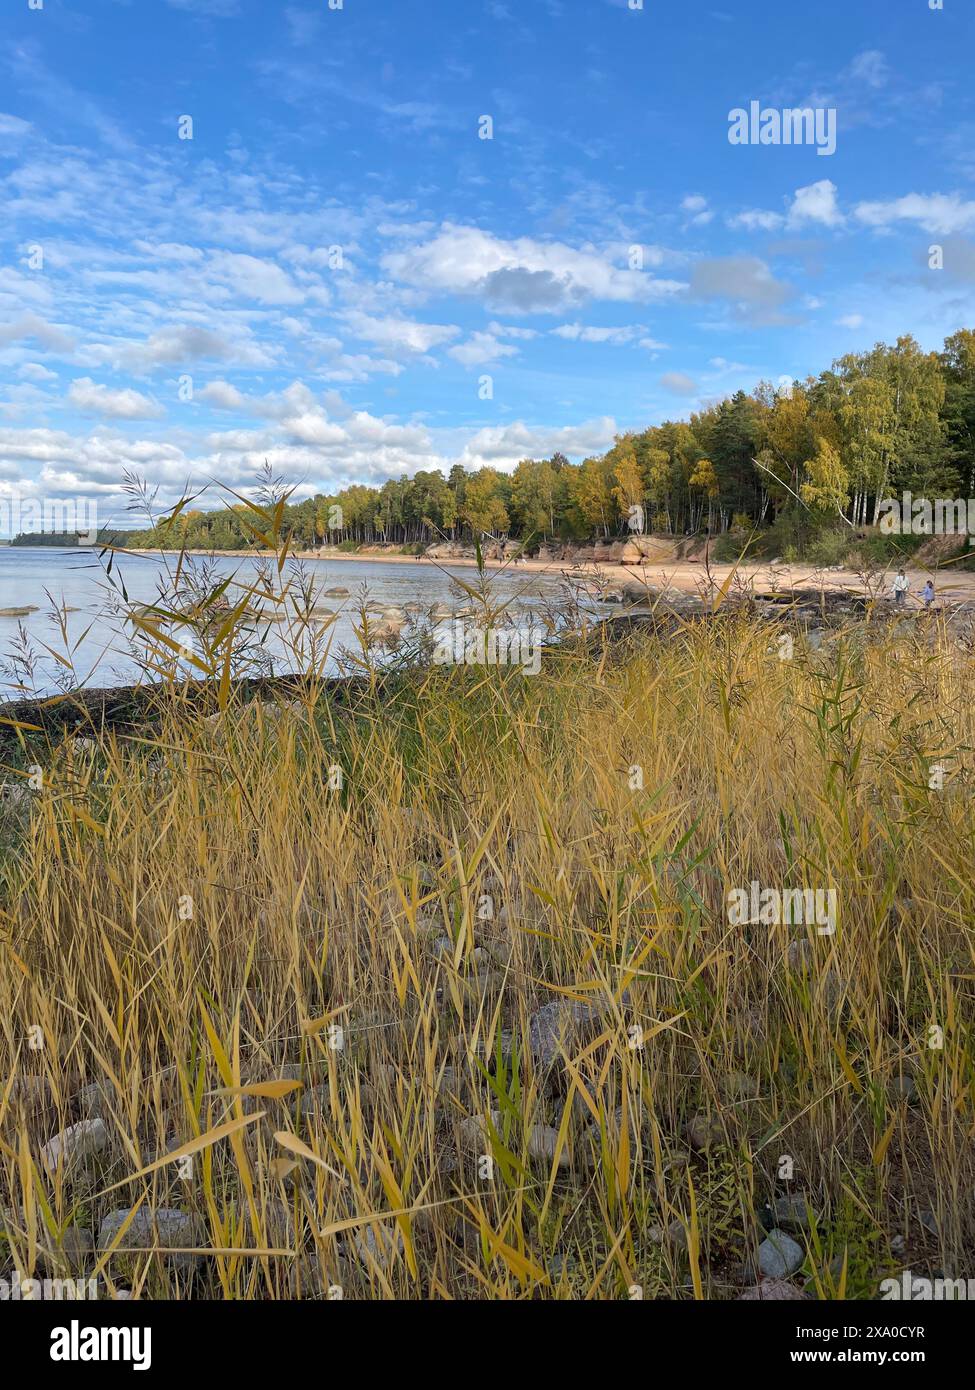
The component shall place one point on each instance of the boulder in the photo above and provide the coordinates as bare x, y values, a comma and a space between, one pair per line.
73, 1145
554, 1025
779, 1255
163, 1229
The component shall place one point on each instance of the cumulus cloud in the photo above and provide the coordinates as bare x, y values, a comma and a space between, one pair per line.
252, 278
221, 395
481, 348
504, 446
697, 209
589, 333
34, 371
89, 396
31, 327
398, 333
180, 345
816, 203
756, 219
942, 213
522, 275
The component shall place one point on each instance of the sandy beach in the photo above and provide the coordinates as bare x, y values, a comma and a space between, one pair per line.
689, 576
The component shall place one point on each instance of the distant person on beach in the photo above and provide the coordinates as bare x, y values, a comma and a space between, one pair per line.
927, 593
901, 586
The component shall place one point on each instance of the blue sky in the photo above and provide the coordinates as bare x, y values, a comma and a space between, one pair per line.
177, 307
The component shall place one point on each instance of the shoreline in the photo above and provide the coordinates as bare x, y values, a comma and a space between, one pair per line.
687, 576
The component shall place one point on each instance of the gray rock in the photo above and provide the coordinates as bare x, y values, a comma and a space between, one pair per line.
71, 1146
792, 1213
554, 1025
779, 1255
902, 1088
542, 1141
704, 1130
473, 1132
163, 1229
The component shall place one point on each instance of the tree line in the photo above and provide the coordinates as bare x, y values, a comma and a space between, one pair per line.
801, 453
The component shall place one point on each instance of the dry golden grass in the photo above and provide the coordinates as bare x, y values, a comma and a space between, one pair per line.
195, 913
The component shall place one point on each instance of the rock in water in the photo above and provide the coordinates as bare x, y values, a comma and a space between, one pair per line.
779, 1255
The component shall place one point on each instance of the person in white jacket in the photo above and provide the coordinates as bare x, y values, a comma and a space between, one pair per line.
901, 586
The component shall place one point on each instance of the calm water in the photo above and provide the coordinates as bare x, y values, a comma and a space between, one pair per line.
102, 657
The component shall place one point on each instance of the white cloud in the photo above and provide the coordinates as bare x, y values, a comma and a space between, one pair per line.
851, 321
816, 203
504, 446
522, 275
755, 219
13, 127
481, 348
398, 333
582, 333
87, 395
181, 345
697, 209
870, 67
32, 326
250, 277
936, 212
33, 371
746, 283
221, 395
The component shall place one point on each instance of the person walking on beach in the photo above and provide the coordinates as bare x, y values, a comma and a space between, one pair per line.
927, 594
901, 586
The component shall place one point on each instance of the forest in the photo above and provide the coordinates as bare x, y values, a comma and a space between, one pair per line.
788, 463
